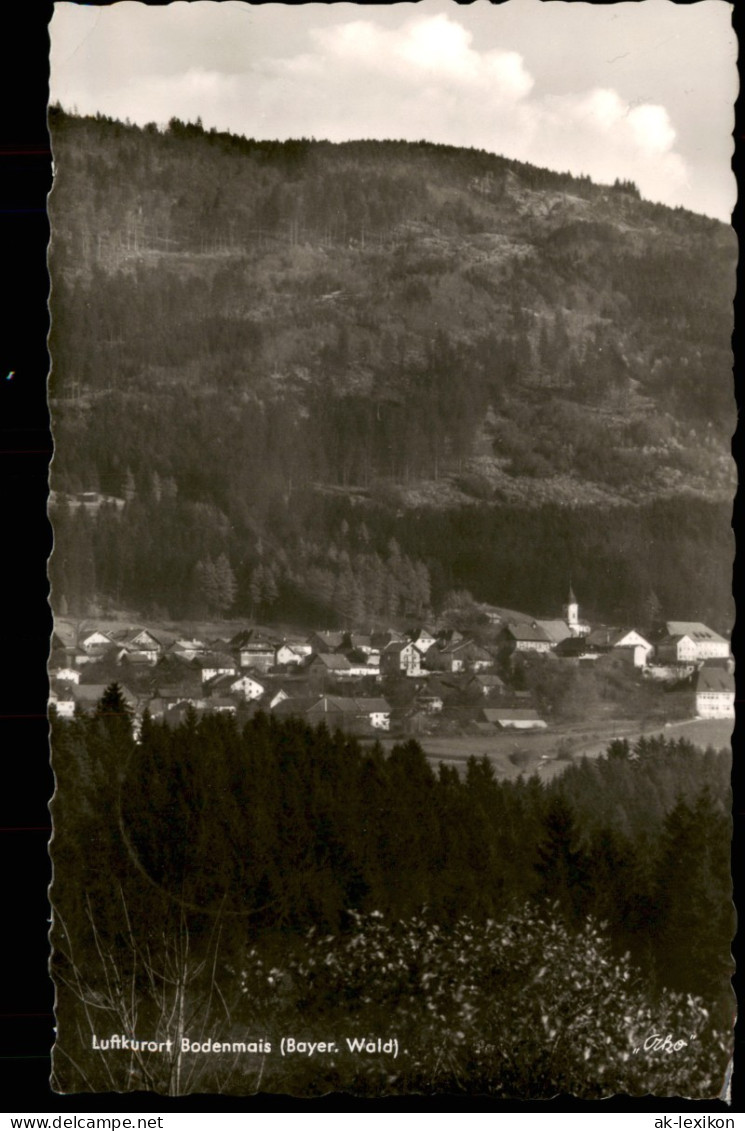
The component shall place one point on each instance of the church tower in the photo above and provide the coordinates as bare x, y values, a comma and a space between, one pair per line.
571, 611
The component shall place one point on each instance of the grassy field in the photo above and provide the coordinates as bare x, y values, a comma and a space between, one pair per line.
547, 753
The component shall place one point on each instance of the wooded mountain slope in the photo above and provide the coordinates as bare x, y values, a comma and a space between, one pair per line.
272, 345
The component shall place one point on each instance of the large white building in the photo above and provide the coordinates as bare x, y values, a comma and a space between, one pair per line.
688, 641
715, 693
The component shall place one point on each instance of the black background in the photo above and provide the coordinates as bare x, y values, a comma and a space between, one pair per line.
26, 1000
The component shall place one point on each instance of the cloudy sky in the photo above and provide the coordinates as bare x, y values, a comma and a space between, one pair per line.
641, 91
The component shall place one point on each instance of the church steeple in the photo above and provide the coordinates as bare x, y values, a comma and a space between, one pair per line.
571, 609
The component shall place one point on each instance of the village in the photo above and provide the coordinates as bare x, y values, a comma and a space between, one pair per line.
501, 674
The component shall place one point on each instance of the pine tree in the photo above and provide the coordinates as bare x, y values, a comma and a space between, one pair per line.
652, 609
271, 589
225, 584
561, 863
256, 588
216, 584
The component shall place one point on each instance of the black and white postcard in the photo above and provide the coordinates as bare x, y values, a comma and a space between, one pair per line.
391, 683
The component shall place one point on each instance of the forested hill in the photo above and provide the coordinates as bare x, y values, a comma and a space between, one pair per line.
289, 355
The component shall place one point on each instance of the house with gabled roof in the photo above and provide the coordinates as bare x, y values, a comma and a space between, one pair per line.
323, 643
678, 649
93, 642
184, 649
329, 663
285, 656
556, 630
299, 644
401, 658
244, 686
376, 711
337, 711
603, 640
422, 638
522, 636
213, 664
139, 641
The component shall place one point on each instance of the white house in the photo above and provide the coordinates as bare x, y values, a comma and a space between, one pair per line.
215, 664
284, 654
376, 711
677, 649
299, 645
401, 658
715, 693
244, 685
94, 641
139, 644
642, 649
629, 640
422, 639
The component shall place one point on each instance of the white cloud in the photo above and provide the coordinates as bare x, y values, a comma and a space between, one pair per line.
652, 128
601, 134
424, 78
435, 48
